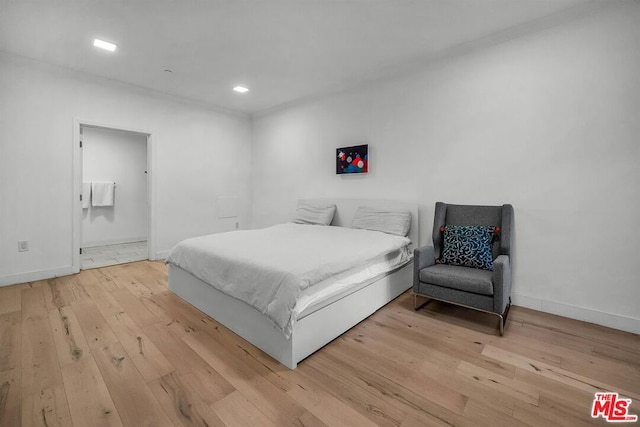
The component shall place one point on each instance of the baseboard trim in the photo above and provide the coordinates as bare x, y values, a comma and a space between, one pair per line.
161, 256
616, 321
32, 276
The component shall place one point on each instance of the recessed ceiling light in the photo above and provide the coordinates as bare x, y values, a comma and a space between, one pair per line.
241, 89
104, 45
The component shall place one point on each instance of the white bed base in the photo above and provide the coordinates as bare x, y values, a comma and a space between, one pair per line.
309, 333
315, 330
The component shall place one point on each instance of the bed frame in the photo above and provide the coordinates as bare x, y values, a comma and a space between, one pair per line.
316, 329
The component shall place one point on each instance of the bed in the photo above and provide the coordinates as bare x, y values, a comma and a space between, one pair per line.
321, 312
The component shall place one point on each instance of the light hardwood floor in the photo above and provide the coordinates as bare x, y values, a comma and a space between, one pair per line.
112, 347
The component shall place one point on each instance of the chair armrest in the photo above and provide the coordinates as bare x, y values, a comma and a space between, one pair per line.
422, 257
501, 283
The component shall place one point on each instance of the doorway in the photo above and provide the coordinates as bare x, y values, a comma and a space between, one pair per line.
113, 221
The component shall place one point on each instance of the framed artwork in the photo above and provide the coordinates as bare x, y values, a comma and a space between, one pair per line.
352, 159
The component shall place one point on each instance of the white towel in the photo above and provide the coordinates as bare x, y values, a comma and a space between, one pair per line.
86, 195
102, 193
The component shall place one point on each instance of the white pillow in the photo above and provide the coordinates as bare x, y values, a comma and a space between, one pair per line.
390, 222
315, 213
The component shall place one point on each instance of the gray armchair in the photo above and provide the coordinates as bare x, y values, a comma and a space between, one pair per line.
480, 289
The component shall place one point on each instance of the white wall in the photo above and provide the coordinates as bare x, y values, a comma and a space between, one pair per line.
198, 155
548, 122
120, 157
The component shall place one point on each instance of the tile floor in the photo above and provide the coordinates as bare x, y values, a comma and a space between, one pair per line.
101, 256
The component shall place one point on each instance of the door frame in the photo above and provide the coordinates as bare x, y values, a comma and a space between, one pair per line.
77, 187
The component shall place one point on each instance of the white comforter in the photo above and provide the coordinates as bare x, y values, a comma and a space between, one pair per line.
269, 268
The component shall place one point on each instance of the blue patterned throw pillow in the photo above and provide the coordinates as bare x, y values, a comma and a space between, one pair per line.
468, 246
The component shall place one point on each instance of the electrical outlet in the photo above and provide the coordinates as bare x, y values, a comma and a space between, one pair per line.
237, 225
23, 245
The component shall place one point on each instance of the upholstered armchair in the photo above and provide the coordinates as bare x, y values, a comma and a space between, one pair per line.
469, 263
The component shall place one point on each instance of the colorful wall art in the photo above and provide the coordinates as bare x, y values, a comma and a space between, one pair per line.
352, 159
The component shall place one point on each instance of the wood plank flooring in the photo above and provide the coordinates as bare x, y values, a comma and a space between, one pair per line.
112, 347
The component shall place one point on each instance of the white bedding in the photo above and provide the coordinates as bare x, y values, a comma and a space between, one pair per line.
349, 281
271, 267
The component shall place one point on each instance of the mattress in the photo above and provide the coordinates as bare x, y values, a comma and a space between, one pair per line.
346, 283
286, 271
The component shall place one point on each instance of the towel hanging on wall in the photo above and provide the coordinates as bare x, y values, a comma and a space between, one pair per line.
86, 195
102, 193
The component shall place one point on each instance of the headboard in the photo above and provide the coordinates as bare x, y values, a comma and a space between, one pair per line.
346, 210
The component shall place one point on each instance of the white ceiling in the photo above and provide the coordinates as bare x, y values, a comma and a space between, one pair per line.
283, 50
